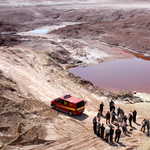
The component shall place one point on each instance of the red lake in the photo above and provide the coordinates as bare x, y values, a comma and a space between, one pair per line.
122, 74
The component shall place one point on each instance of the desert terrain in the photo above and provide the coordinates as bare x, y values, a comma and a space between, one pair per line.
33, 70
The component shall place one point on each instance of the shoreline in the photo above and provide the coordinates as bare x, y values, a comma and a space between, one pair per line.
114, 53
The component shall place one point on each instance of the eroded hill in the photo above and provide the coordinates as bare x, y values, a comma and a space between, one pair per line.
33, 72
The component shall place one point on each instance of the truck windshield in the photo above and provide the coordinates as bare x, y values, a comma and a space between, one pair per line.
80, 104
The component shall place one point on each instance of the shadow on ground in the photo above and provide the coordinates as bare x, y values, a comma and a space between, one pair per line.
79, 117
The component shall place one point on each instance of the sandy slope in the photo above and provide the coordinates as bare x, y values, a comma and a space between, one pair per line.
30, 78
42, 80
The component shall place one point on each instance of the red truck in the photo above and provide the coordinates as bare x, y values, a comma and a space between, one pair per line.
69, 104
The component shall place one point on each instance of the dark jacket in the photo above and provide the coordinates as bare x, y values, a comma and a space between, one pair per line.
102, 129
107, 116
101, 106
118, 132
134, 113
118, 111
94, 121
111, 131
130, 117
125, 119
112, 107
147, 125
111, 103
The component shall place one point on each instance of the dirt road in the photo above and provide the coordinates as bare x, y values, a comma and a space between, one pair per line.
33, 70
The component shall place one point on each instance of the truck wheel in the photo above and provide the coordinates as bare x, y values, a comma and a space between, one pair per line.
70, 113
53, 106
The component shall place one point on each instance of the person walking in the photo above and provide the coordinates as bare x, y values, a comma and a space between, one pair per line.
134, 116
101, 108
130, 119
111, 134
102, 130
143, 125
147, 124
108, 117
118, 133
94, 124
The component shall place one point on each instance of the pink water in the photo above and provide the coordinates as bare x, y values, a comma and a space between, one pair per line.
126, 74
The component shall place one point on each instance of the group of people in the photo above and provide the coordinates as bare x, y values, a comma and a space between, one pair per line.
100, 130
121, 120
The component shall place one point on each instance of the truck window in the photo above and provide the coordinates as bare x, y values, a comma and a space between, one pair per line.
64, 102
58, 100
80, 104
